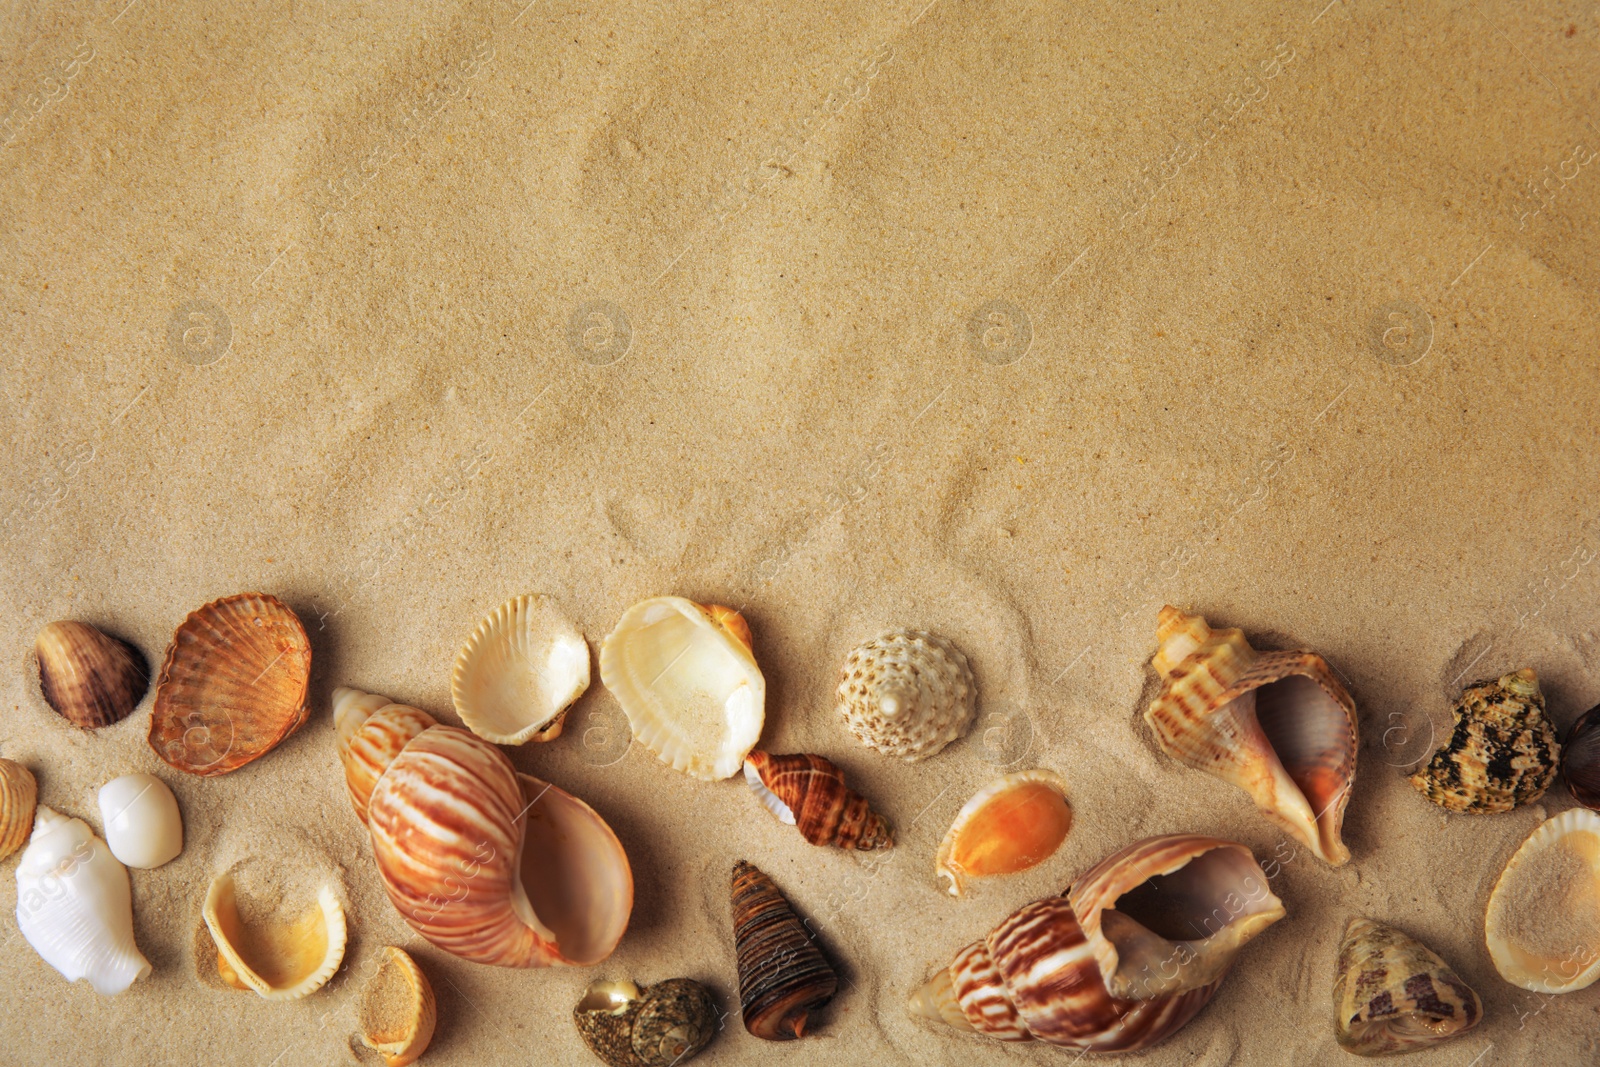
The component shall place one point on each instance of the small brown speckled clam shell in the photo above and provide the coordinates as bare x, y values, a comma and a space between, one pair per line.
656, 1026
1502, 752
1394, 994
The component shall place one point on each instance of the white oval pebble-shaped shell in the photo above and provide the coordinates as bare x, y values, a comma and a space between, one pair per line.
907, 693
1577, 964
74, 905
140, 815
520, 669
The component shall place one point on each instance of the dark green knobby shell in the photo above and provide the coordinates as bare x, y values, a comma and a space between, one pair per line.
656, 1026
1394, 994
1503, 751
1580, 759
783, 976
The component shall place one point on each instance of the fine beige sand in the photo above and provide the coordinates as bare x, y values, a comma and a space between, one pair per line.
1011, 321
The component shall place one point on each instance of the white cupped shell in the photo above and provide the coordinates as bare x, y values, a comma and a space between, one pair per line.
519, 671
1542, 927
140, 815
74, 905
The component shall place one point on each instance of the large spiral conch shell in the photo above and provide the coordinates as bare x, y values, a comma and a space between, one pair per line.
74, 905
1159, 923
1394, 994
233, 684
491, 865
783, 976
1542, 927
809, 793
1278, 725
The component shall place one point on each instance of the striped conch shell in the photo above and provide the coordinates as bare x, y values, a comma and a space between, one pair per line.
1048, 971
1394, 994
809, 793
491, 865
1278, 725
783, 976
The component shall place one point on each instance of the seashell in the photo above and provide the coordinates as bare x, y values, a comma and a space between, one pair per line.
518, 672
1277, 724
687, 680
809, 792
74, 905
1048, 971
275, 959
89, 678
397, 1009
141, 820
19, 794
232, 686
1394, 994
1543, 922
1580, 759
1012, 824
488, 864
657, 1026
783, 976
1503, 751
907, 693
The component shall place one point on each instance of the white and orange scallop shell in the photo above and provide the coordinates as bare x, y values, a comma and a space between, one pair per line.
1542, 926
491, 865
687, 680
1279, 725
523, 665
278, 959
1012, 824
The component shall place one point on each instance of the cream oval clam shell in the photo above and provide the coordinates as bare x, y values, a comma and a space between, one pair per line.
141, 820
688, 682
524, 664
1557, 867
1011, 824
278, 960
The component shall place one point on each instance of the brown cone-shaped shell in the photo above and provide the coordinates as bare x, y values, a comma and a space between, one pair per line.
783, 975
91, 679
232, 686
1277, 724
1580, 759
1501, 753
398, 1012
811, 795
1394, 994
19, 796
657, 1026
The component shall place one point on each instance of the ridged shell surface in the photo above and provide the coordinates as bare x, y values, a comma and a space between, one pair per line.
19, 795
232, 686
907, 693
809, 793
518, 671
783, 976
1279, 725
1502, 751
1394, 994
276, 960
90, 678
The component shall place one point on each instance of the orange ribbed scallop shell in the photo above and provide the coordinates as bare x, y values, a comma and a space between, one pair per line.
812, 796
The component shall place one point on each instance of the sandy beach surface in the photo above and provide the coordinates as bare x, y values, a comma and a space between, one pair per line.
1010, 321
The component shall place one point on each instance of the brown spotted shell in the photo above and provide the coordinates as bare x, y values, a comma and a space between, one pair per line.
656, 1026
1502, 752
809, 793
1394, 994
89, 678
232, 686
783, 976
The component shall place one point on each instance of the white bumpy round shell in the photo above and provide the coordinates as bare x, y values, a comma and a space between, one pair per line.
907, 693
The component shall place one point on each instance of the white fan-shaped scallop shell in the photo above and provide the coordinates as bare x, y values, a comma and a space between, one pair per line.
907, 693
74, 905
278, 960
1560, 862
686, 678
141, 820
519, 671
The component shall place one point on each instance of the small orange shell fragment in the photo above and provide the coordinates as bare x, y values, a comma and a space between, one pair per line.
1014, 823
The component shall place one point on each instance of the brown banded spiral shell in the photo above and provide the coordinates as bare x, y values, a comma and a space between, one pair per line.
1394, 994
89, 678
809, 793
783, 975
1502, 751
